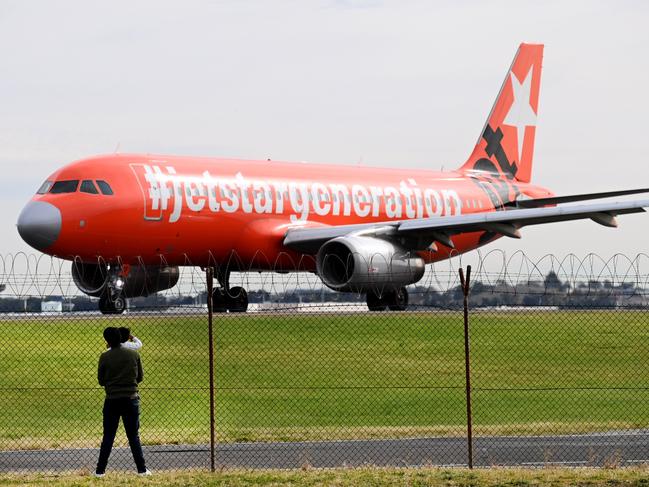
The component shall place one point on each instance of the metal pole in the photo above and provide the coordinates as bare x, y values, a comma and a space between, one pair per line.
210, 284
467, 361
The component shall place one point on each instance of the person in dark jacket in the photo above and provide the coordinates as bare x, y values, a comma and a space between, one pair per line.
119, 372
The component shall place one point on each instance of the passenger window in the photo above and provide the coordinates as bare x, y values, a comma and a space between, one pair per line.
87, 186
104, 187
45, 187
69, 186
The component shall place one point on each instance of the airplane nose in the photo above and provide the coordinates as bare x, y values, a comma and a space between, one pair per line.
39, 224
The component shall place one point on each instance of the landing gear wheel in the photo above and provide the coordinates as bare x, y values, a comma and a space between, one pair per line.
398, 299
219, 300
375, 302
119, 304
112, 305
237, 300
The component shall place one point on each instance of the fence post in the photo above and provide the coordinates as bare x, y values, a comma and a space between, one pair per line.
467, 360
210, 284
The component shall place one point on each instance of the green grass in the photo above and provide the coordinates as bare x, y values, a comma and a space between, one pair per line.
295, 377
360, 477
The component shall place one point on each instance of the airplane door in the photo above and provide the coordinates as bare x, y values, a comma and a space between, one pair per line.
155, 192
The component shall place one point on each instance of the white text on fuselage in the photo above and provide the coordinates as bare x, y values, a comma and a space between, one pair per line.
169, 192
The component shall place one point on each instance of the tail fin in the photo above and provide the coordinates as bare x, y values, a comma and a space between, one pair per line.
506, 144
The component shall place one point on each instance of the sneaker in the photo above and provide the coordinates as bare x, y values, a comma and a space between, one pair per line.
99, 475
146, 473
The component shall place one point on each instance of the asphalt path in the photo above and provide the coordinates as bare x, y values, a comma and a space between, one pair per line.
599, 449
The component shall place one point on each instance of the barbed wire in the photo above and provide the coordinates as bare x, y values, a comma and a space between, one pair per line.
24, 275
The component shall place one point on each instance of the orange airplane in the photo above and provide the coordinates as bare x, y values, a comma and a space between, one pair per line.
128, 221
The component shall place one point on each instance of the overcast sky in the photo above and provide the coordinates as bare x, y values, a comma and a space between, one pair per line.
401, 83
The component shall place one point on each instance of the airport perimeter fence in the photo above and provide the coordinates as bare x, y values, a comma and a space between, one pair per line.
307, 377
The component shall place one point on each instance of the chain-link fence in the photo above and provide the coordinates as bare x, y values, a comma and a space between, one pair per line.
558, 351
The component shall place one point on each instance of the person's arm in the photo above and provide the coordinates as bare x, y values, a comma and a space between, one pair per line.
140, 372
101, 371
134, 343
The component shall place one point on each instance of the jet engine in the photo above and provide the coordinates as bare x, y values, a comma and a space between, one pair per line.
95, 279
358, 264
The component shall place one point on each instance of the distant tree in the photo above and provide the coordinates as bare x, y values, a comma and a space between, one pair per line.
552, 281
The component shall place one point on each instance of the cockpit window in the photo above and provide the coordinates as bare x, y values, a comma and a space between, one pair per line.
104, 187
69, 186
87, 186
45, 187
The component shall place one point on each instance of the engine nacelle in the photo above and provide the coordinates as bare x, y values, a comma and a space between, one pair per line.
94, 279
358, 264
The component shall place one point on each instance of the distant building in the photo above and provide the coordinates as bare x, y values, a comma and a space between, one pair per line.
51, 306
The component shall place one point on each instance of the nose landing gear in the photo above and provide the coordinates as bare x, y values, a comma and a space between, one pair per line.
112, 304
112, 300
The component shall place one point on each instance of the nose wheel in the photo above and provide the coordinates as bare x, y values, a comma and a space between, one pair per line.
393, 299
112, 300
112, 304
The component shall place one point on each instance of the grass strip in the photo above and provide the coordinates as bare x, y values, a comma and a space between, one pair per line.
366, 476
287, 377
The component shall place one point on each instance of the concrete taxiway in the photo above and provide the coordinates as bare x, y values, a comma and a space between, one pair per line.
597, 449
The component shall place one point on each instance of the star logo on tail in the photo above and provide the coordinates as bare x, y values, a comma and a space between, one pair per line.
521, 114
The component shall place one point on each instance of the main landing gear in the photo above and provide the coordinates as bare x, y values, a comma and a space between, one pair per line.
393, 299
226, 298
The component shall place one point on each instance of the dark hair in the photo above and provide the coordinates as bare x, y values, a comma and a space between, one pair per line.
112, 337
124, 333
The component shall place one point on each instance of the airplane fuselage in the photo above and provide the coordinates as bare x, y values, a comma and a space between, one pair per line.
197, 211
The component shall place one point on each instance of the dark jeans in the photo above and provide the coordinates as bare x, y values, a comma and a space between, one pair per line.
129, 410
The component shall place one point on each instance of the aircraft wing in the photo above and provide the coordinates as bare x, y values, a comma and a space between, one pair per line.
419, 234
557, 200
